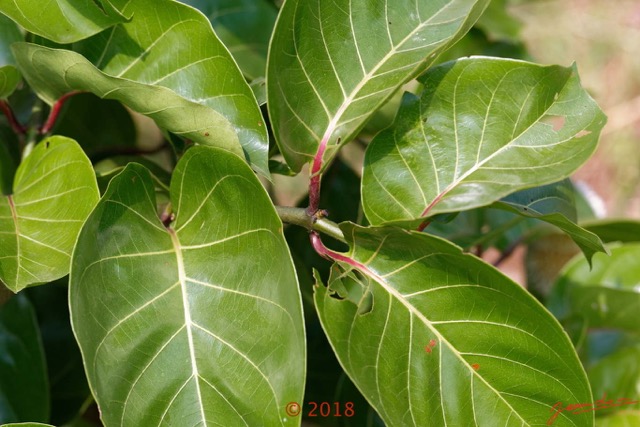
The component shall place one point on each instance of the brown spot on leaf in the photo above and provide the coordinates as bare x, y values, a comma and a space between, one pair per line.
475, 366
557, 122
583, 133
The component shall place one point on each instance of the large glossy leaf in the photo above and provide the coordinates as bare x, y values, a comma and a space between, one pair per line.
554, 204
54, 191
432, 336
63, 21
606, 295
54, 72
167, 63
332, 63
482, 129
24, 392
245, 27
207, 312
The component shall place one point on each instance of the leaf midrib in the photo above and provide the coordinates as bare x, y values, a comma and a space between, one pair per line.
411, 309
478, 165
182, 278
333, 123
14, 216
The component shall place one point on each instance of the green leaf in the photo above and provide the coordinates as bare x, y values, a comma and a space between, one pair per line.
606, 295
196, 92
24, 392
9, 34
113, 131
332, 63
498, 23
9, 79
9, 159
67, 381
482, 129
207, 313
55, 72
620, 419
432, 335
63, 21
9, 75
54, 191
615, 230
111, 167
26, 425
200, 68
617, 376
554, 204
245, 27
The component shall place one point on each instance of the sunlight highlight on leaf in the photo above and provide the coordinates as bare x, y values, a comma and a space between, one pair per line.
54, 191
216, 291
332, 63
448, 339
478, 133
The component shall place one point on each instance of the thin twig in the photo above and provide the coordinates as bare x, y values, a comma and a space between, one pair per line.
300, 217
55, 112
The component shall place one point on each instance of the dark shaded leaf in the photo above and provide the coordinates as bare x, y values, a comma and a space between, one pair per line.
24, 392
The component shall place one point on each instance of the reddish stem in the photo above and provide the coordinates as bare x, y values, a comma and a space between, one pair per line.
316, 176
324, 252
55, 111
424, 225
11, 118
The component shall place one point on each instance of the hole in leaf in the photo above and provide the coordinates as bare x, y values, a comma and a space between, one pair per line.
100, 6
366, 304
556, 122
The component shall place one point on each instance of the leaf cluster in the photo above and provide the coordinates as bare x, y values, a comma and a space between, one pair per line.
144, 147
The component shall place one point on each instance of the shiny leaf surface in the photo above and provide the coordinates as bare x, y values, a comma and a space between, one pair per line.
245, 27
63, 21
332, 63
482, 129
432, 336
54, 191
196, 92
215, 291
